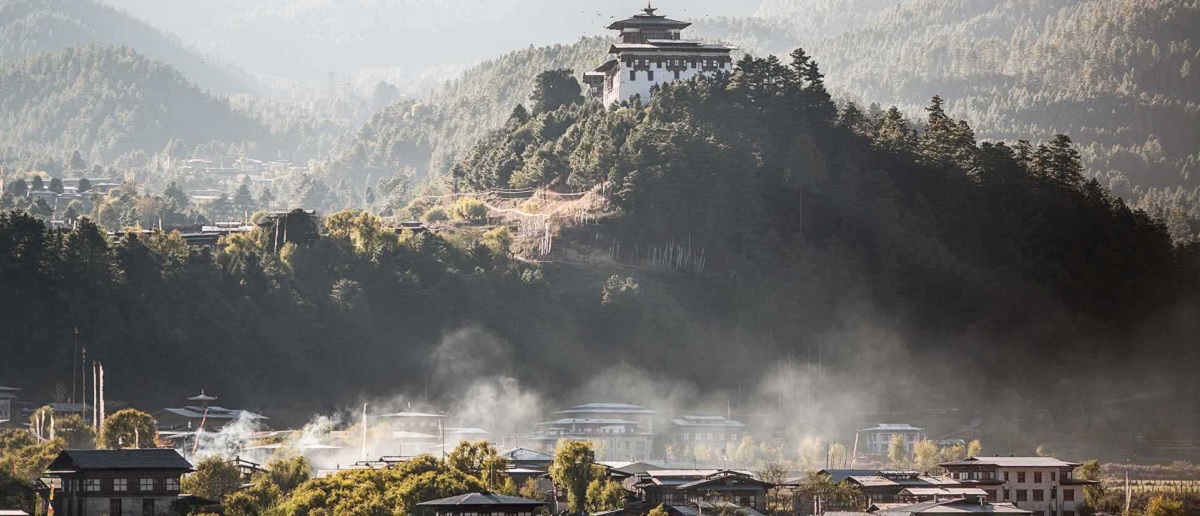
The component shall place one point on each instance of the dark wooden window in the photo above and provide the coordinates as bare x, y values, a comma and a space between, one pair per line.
114, 507
1039, 495
1068, 495
1022, 495
633, 75
649, 77
148, 507
1037, 477
1020, 477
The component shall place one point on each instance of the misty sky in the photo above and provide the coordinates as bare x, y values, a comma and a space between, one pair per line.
307, 39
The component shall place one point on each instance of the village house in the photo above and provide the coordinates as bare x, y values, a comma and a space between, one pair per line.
687, 487
414, 433
619, 431
955, 506
878, 438
8, 402
116, 482
1044, 485
476, 504
189, 418
888, 486
649, 52
715, 432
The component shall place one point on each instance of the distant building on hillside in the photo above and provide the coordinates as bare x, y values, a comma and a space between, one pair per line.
649, 51
875, 440
620, 431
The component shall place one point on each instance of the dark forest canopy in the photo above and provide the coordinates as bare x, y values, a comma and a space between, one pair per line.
1117, 75
990, 263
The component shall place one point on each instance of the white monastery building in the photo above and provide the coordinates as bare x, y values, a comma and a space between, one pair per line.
649, 52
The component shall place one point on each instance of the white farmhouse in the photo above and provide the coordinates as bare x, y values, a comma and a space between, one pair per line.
1044, 485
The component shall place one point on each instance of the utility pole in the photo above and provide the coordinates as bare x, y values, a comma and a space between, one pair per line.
74, 366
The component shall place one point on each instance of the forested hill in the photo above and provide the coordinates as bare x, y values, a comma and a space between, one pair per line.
763, 174
430, 135
28, 27
107, 102
1115, 74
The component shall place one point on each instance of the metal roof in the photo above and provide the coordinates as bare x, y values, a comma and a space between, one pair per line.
957, 506
526, 455
944, 491
647, 18
410, 414
148, 458
708, 47
707, 421
482, 499
916, 481
607, 408
1012, 462
213, 413
883, 427
570, 421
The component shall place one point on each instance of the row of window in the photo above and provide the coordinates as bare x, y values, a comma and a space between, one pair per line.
1037, 477
991, 475
116, 507
710, 437
92, 485
649, 75
678, 63
485, 514
1039, 495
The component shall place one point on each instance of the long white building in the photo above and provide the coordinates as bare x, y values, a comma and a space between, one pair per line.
649, 51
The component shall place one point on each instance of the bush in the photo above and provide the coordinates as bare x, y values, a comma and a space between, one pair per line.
469, 209
435, 215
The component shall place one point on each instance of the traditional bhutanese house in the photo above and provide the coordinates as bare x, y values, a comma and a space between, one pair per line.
202, 414
887, 485
689, 486
955, 506
639, 467
8, 401
1044, 485
702, 508
526, 458
524, 464
115, 482
475, 504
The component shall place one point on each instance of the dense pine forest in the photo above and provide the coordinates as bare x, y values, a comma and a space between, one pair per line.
1115, 74
28, 27
109, 103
